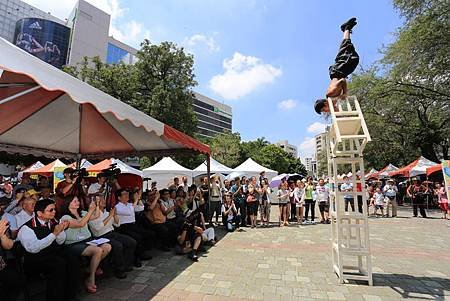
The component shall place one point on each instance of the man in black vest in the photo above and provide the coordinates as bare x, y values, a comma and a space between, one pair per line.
42, 237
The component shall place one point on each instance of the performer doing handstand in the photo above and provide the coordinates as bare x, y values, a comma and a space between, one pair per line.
345, 63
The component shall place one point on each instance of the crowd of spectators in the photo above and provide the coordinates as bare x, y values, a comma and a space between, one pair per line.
84, 227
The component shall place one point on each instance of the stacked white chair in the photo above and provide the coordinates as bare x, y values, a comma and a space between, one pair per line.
346, 138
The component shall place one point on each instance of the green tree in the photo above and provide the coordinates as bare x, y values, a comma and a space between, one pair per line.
250, 149
226, 149
405, 95
159, 84
166, 79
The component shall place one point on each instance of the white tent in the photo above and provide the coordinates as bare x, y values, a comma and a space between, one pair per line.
165, 170
215, 167
125, 168
251, 168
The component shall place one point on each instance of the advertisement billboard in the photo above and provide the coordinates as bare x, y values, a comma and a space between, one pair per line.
44, 39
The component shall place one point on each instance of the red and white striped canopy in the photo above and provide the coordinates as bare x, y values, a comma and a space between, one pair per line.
47, 112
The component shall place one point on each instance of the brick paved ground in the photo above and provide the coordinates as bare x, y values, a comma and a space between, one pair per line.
411, 259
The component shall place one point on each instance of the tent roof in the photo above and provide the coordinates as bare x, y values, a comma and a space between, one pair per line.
383, 173
417, 167
84, 164
47, 112
124, 168
251, 166
34, 166
167, 164
49, 168
215, 167
433, 169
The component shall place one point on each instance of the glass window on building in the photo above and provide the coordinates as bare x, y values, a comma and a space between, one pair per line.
116, 55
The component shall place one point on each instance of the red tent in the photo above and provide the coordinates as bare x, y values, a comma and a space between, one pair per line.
47, 112
48, 169
433, 169
417, 167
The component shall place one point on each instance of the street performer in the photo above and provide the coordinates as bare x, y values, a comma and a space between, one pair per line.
345, 63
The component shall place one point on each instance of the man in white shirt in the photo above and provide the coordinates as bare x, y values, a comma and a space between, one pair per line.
322, 197
127, 225
390, 191
123, 246
42, 237
348, 198
27, 211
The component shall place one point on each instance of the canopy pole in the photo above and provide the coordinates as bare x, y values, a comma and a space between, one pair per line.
78, 165
208, 174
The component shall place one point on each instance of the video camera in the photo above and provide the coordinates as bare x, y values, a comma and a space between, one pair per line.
111, 172
80, 173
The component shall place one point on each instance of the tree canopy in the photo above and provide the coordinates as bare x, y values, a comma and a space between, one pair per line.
405, 95
159, 84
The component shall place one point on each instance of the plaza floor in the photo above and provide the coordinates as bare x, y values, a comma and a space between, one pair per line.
411, 260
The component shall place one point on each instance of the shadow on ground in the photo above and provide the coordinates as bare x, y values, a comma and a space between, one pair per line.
408, 286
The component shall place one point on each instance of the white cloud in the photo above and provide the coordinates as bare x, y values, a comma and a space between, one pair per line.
316, 128
287, 104
201, 40
243, 75
307, 148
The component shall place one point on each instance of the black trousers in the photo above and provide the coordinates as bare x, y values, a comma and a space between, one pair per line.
123, 249
310, 204
419, 203
145, 238
242, 207
360, 203
346, 60
293, 212
11, 281
214, 207
62, 270
352, 203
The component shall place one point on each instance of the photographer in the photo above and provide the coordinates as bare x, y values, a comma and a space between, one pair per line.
230, 217
68, 188
128, 226
107, 185
191, 232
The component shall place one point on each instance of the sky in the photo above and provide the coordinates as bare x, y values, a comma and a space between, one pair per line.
268, 60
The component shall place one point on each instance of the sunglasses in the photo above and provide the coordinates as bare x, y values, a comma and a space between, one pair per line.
51, 210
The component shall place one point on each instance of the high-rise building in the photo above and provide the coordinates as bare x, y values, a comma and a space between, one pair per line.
86, 33
320, 143
289, 148
213, 117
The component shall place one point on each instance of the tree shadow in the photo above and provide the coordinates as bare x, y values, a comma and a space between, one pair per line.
408, 287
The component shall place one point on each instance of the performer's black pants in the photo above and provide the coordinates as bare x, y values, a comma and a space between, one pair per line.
346, 60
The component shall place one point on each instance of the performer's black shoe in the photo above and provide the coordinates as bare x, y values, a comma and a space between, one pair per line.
349, 24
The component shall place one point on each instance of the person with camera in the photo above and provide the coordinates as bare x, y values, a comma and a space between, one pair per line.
215, 200
390, 191
156, 218
239, 198
15, 206
127, 225
191, 232
123, 246
230, 217
42, 238
70, 187
77, 237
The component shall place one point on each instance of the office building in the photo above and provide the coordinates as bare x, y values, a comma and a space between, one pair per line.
288, 148
59, 42
213, 117
320, 143
86, 33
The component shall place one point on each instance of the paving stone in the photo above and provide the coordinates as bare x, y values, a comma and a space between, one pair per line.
195, 288
335, 296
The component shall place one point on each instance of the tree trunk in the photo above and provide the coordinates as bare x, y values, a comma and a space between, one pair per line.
428, 152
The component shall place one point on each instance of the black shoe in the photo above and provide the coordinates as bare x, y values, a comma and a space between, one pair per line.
348, 25
120, 274
137, 263
193, 256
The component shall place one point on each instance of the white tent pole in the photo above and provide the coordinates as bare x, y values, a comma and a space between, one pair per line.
18, 94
